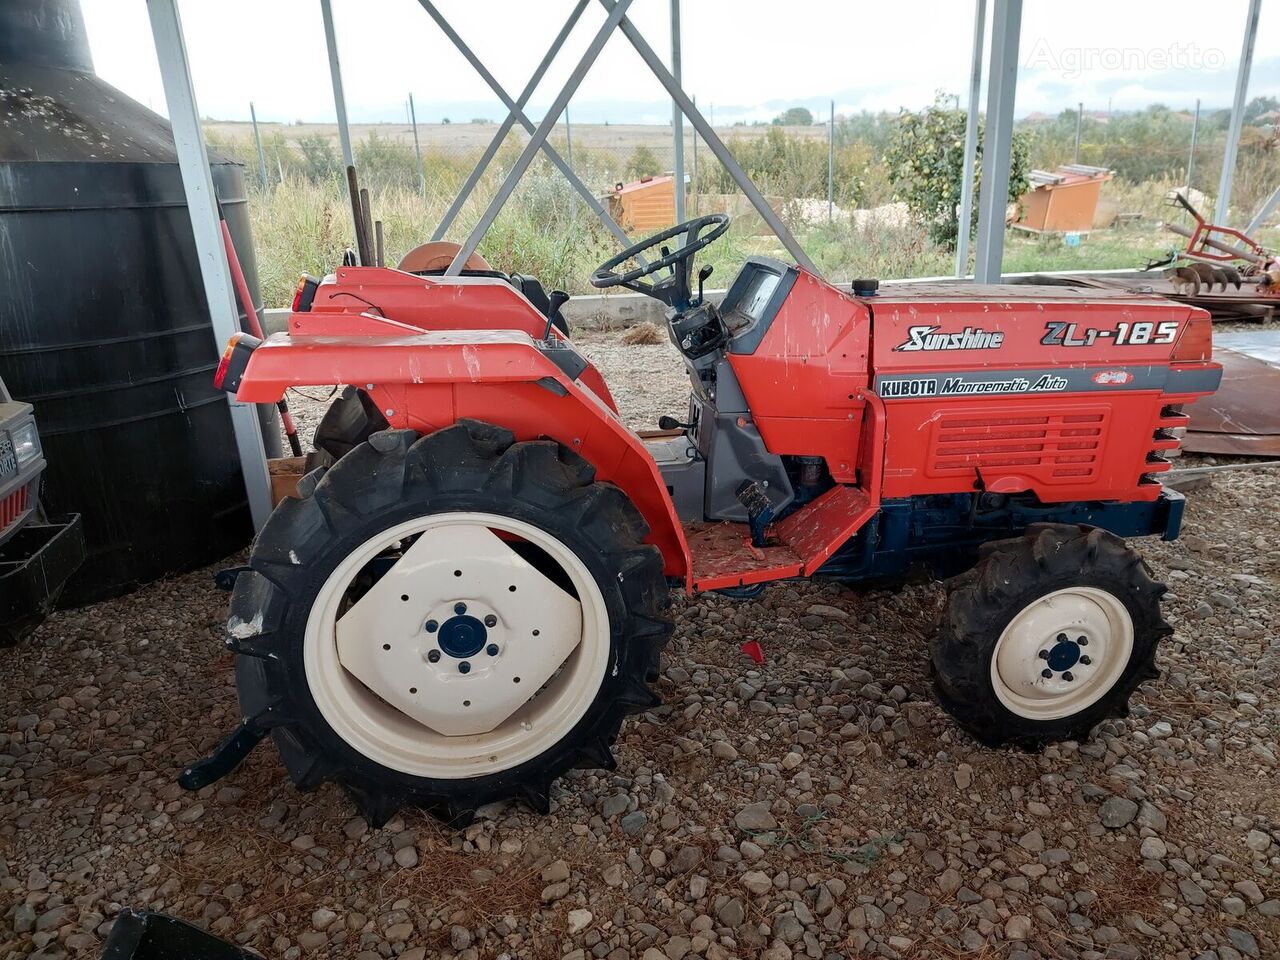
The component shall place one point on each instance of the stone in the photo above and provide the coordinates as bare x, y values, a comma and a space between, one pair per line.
555, 891
555, 871
1243, 941
949, 881
1257, 841
757, 882
1017, 927
614, 806
459, 937
633, 823
1153, 848
407, 856
1117, 812
579, 920
963, 776
724, 750
322, 918
732, 913
756, 816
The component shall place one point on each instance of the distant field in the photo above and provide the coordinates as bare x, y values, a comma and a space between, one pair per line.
621, 138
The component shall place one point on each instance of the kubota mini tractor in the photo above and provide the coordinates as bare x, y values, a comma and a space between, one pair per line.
472, 595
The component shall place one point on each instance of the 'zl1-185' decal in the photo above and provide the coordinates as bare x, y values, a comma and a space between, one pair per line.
1058, 333
926, 337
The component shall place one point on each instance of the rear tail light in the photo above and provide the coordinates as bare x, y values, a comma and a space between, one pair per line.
1196, 341
305, 293
235, 358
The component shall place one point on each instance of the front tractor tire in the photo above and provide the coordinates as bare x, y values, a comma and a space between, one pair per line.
1047, 636
448, 621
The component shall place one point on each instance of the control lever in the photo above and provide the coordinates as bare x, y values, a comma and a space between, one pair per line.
759, 510
557, 300
671, 423
703, 274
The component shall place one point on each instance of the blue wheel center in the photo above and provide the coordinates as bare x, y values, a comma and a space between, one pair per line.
462, 636
1064, 655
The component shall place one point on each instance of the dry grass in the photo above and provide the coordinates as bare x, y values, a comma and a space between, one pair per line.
643, 334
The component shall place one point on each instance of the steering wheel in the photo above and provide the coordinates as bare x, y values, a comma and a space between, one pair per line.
673, 290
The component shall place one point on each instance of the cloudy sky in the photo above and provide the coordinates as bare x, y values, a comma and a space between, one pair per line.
748, 58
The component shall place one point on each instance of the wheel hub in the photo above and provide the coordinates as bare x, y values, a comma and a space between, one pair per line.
461, 637
1064, 654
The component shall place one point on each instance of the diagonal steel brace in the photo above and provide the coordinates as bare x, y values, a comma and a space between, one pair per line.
492, 149
713, 141
517, 112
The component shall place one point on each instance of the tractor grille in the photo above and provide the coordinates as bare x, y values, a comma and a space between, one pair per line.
13, 506
1062, 446
8, 462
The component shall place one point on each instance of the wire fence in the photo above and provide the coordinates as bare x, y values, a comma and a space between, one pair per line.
826, 174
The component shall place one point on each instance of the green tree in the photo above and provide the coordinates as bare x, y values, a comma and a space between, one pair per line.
925, 158
794, 117
319, 161
642, 163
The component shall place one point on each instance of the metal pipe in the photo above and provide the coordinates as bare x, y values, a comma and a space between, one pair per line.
257, 138
997, 147
366, 224
568, 139
539, 138
362, 244
202, 205
677, 118
1218, 245
1223, 212
518, 112
380, 250
713, 141
417, 150
970, 140
693, 180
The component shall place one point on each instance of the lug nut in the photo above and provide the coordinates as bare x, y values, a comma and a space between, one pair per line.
464, 667
1068, 677
1062, 637
459, 608
491, 621
1044, 654
432, 626
491, 649
433, 656
1086, 660
1047, 673
1083, 641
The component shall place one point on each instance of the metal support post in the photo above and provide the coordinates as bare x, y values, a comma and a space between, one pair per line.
568, 139
713, 141
539, 138
997, 146
257, 139
202, 204
335, 75
1223, 211
970, 140
517, 114
1079, 124
677, 118
1264, 211
693, 180
417, 149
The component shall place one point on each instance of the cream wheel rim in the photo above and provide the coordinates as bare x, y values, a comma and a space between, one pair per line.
1062, 653
464, 658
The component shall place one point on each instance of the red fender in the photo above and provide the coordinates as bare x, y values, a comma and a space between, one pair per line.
425, 381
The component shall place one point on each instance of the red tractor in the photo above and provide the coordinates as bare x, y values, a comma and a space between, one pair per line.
471, 597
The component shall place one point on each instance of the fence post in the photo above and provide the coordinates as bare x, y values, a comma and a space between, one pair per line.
1191, 157
831, 165
417, 150
1079, 121
257, 138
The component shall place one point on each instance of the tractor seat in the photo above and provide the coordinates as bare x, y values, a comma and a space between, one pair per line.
527, 285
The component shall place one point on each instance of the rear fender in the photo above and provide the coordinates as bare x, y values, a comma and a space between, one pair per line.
428, 381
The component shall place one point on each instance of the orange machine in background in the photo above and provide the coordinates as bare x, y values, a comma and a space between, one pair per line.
646, 205
1063, 201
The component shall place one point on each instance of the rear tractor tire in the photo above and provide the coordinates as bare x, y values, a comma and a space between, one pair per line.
1047, 636
448, 621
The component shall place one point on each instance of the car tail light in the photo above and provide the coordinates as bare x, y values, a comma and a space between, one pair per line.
235, 358
1195, 342
305, 293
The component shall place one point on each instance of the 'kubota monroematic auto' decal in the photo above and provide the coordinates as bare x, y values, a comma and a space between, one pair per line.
1058, 333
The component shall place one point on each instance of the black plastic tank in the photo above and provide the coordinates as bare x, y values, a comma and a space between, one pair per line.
103, 321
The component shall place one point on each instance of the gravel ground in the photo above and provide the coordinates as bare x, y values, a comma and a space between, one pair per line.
818, 806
